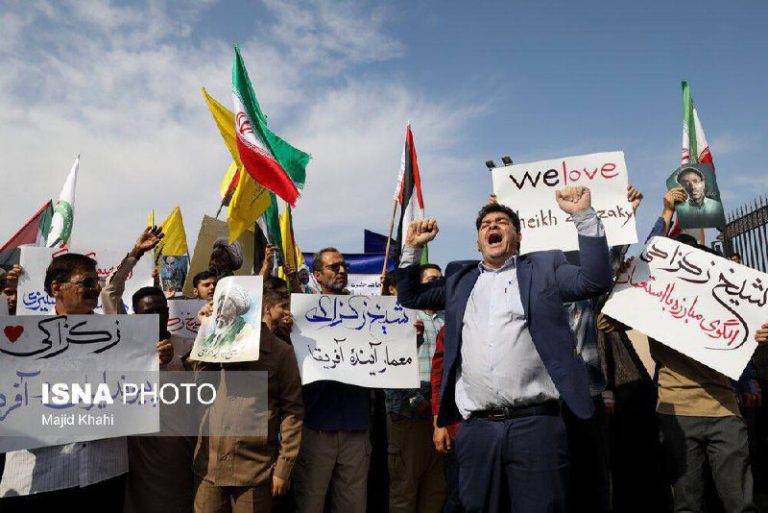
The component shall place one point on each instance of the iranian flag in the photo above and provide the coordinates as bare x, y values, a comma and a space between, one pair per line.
271, 161
695, 145
408, 191
64, 211
34, 232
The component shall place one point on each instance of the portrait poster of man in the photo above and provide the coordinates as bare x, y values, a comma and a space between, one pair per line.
231, 333
703, 208
173, 272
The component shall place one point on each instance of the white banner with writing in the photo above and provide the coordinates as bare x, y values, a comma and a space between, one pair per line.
95, 349
368, 341
364, 284
529, 190
33, 300
699, 304
182, 317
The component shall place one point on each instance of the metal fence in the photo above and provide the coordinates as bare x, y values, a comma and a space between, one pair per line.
746, 233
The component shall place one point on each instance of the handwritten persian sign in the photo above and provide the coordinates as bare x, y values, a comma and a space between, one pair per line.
99, 348
529, 190
182, 317
364, 284
232, 332
33, 300
361, 340
699, 304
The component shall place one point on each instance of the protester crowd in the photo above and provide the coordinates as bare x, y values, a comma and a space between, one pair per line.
530, 399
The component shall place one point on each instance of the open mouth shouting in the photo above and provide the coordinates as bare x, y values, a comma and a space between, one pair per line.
495, 240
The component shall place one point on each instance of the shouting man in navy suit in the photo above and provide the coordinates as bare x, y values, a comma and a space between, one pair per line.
510, 359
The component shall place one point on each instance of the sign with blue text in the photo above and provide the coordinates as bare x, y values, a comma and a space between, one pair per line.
368, 341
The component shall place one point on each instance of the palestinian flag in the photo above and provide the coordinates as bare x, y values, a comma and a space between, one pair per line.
408, 192
271, 161
695, 145
34, 232
64, 211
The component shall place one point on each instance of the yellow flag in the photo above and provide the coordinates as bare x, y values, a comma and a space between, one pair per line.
249, 202
250, 199
175, 240
225, 183
225, 120
151, 218
292, 255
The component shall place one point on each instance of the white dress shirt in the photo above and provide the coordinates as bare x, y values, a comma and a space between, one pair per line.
500, 365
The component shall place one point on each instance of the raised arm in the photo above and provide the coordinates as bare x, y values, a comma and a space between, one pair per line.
112, 293
411, 293
593, 275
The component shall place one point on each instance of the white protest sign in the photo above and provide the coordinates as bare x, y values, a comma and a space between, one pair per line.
91, 350
364, 284
361, 340
699, 304
233, 331
182, 317
529, 190
33, 299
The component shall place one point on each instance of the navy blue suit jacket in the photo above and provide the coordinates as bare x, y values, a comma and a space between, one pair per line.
546, 280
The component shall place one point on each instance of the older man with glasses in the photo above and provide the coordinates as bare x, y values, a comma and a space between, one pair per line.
335, 445
90, 475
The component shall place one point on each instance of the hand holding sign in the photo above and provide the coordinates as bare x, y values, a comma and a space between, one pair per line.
762, 334
574, 199
421, 232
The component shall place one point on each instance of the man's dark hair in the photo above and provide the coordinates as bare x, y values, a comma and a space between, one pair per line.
735, 254
61, 268
390, 280
317, 260
685, 238
426, 266
490, 208
145, 292
202, 275
275, 290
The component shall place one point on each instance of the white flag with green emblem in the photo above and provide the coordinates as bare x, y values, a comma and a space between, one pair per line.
64, 211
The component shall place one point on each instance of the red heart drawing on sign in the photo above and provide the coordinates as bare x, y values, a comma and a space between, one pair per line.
13, 332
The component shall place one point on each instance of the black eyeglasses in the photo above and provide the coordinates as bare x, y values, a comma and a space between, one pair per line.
338, 267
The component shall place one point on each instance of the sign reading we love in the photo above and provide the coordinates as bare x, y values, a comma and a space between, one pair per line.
529, 189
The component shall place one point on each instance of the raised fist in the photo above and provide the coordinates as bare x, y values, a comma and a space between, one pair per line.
420, 232
573, 199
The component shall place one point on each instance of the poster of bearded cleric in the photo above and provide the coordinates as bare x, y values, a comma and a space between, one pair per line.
703, 208
231, 333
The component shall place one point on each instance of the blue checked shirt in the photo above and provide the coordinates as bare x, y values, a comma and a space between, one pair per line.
404, 401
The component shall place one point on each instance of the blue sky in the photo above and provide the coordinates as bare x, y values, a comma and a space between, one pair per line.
119, 83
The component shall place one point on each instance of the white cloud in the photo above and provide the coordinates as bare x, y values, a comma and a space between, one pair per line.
121, 86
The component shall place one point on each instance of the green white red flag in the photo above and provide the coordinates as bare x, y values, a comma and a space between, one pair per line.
695, 145
64, 211
270, 160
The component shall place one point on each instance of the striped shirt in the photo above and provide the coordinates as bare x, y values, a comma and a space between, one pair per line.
63, 466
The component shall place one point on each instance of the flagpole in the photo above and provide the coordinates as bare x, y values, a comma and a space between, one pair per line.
389, 243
